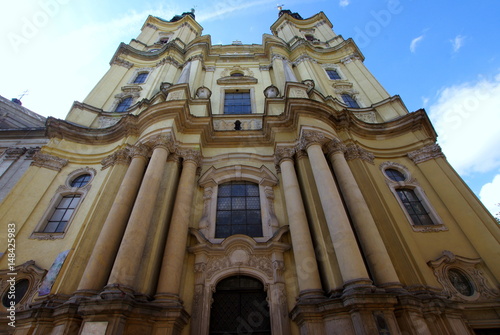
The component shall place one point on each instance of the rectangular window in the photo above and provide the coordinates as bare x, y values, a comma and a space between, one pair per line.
333, 74
237, 103
414, 207
238, 210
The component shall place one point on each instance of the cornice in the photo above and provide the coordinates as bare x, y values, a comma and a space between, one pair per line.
295, 108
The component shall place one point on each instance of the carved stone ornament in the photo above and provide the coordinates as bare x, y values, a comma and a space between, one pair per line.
245, 70
121, 62
162, 141
169, 60
49, 161
164, 87
31, 152
463, 279
356, 152
426, 153
310, 137
335, 146
368, 117
14, 153
350, 58
283, 153
140, 150
271, 92
121, 156
105, 121
310, 84
203, 93
28, 271
190, 155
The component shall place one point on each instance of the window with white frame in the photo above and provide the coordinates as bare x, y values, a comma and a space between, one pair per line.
333, 74
140, 78
64, 204
411, 198
124, 104
349, 100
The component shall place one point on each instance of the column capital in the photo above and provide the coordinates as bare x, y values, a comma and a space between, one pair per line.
140, 150
426, 153
283, 153
311, 137
122, 156
49, 161
14, 153
190, 155
164, 141
334, 146
356, 152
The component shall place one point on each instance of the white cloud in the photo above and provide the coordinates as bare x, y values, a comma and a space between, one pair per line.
490, 196
344, 3
414, 42
457, 42
466, 118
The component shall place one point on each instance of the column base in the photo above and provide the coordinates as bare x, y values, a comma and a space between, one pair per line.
308, 295
168, 299
117, 291
360, 285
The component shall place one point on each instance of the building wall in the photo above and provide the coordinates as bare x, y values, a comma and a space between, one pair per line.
339, 253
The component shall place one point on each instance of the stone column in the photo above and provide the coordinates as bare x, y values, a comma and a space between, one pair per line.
97, 271
344, 242
371, 242
305, 260
129, 255
175, 250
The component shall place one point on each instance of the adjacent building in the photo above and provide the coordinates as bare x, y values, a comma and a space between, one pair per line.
245, 189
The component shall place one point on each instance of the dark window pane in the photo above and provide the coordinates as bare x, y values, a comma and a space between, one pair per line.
222, 231
414, 207
239, 217
252, 190
124, 105
224, 204
254, 230
238, 190
224, 190
333, 74
237, 103
253, 203
349, 101
395, 175
141, 78
253, 217
62, 214
81, 180
224, 217
239, 229
238, 203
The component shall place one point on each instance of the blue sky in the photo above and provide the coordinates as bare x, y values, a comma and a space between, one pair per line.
443, 56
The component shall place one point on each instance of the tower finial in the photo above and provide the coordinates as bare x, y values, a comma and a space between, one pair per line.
280, 7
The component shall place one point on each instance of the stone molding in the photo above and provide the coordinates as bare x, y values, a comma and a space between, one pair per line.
471, 269
350, 58
49, 161
426, 153
169, 60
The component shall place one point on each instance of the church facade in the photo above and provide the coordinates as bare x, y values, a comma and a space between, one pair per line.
245, 189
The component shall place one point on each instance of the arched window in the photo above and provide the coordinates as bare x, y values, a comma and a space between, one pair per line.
64, 204
411, 198
349, 101
238, 210
124, 105
141, 78
240, 307
414, 207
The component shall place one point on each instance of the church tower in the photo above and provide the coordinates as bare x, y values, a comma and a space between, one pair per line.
245, 189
